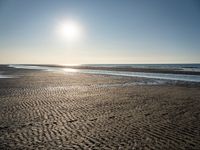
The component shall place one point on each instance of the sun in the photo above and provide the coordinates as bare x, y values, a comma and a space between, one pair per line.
70, 30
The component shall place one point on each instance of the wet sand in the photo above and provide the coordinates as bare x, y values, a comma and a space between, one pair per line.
46, 110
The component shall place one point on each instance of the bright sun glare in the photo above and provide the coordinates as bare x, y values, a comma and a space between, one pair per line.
70, 30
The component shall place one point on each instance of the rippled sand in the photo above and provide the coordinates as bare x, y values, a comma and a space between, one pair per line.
46, 110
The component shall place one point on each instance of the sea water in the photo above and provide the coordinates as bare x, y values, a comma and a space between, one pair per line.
180, 67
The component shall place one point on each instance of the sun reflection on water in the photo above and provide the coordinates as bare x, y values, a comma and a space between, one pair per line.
70, 70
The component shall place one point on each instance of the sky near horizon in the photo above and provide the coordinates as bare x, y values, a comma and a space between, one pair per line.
113, 31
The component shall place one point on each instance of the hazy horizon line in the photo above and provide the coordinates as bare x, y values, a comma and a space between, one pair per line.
94, 63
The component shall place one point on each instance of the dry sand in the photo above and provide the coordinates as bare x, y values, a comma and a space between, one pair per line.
45, 110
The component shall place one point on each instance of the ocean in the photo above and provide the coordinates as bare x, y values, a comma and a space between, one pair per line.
184, 67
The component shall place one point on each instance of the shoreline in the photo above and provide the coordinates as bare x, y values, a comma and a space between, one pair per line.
145, 70
128, 69
49, 110
112, 71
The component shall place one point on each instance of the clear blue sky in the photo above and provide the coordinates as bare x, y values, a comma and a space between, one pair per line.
116, 31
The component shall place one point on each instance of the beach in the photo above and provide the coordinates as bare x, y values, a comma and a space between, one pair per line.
55, 110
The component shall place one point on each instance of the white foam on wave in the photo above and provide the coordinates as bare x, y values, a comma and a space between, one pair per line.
34, 67
191, 69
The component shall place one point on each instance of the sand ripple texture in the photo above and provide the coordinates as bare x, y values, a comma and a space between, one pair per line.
45, 110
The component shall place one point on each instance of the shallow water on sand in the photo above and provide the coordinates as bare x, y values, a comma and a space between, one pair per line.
176, 77
6, 76
164, 76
